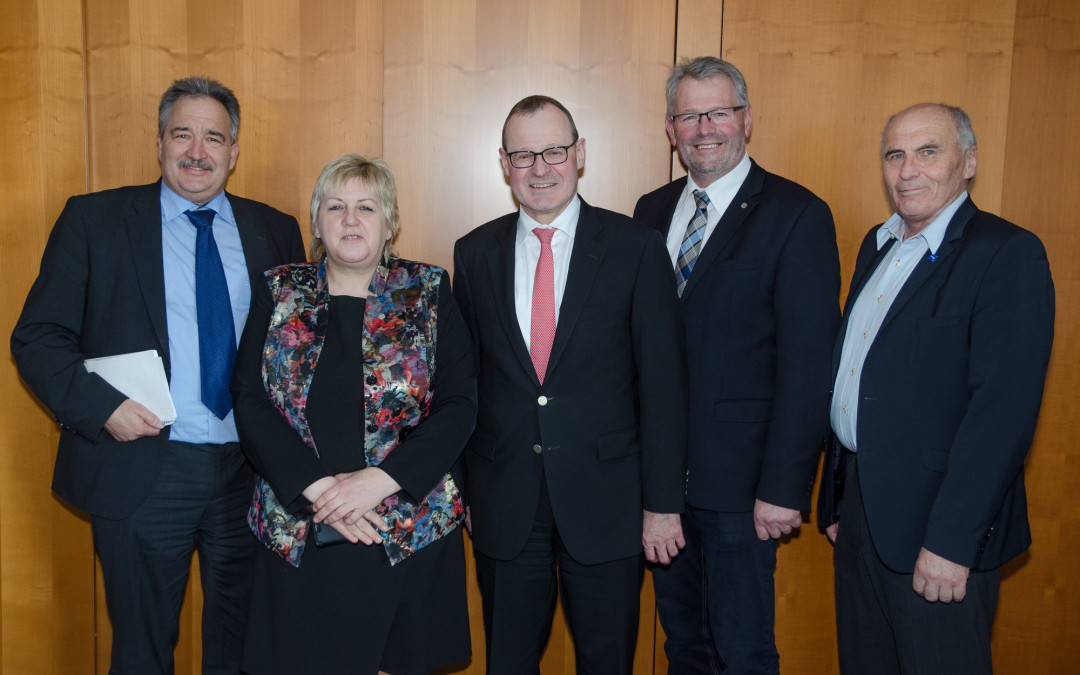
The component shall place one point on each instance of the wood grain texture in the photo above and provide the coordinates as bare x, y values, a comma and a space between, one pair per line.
46, 556
1039, 610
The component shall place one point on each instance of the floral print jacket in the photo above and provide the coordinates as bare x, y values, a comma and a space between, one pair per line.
399, 366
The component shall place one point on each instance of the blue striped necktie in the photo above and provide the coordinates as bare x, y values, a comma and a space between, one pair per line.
692, 240
217, 336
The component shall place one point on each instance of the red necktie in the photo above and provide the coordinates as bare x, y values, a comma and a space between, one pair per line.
542, 332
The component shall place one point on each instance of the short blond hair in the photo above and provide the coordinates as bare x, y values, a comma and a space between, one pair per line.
376, 175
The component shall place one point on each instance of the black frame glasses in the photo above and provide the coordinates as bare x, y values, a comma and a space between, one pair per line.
518, 156
716, 116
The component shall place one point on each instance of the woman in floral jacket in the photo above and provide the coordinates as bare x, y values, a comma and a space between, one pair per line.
355, 394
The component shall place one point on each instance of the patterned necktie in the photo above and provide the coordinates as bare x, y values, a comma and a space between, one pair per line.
542, 333
217, 337
691, 243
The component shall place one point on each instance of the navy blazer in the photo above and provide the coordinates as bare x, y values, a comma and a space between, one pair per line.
949, 396
101, 292
607, 429
760, 312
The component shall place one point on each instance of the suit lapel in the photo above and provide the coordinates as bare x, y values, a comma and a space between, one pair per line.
742, 205
500, 264
670, 201
143, 222
585, 260
924, 272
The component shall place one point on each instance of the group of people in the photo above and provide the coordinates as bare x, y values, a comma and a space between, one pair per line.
594, 392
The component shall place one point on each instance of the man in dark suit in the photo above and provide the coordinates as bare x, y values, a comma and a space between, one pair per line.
758, 273
578, 459
129, 270
939, 369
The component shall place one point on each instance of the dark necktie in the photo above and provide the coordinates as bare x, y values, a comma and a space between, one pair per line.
542, 324
692, 240
217, 337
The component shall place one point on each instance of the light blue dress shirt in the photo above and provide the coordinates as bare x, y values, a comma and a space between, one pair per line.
194, 421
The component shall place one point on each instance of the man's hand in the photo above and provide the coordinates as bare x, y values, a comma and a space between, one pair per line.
661, 536
132, 420
832, 530
938, 579
774, 521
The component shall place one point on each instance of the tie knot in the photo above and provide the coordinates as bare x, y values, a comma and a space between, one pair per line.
544, 234
201, 218
702, 199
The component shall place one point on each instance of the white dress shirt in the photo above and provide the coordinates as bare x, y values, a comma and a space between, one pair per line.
721, 191
870, 308
527, 254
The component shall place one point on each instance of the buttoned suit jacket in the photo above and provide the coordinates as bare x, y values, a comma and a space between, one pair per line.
760, 312
101, 292
949, 396
606, 430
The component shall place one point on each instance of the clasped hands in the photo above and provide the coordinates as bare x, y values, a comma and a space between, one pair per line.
347, 503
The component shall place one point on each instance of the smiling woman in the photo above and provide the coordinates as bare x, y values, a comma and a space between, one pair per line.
337, 405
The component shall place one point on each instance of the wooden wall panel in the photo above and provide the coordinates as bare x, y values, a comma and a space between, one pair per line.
454, 70
46, 556
1039, 617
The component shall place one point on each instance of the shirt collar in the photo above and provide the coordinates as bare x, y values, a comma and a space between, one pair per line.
173, 205
729, 181
566, 221
934, 233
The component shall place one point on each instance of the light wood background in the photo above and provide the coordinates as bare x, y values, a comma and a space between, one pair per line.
427, 83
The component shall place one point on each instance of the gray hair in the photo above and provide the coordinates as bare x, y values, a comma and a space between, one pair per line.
191, 87
703, 68
530, 105
965, 135
375, 174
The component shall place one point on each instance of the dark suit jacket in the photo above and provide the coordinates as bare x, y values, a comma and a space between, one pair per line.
607, 428
949, 396
101, 292
760, 312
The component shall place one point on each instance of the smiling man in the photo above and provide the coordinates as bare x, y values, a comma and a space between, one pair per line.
165, 267
939, 370
755, 259
578, 458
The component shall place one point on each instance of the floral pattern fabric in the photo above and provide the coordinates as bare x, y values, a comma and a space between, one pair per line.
399, 365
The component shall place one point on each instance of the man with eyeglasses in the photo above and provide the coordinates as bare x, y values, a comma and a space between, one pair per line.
755, 259
578, 458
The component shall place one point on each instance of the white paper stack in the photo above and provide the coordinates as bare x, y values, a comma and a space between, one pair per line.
141, 377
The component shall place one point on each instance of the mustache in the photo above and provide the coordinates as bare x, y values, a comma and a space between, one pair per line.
194, 164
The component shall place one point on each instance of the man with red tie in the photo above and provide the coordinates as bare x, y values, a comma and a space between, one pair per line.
578, 458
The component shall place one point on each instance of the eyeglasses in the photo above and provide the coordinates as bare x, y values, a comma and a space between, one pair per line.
717, 116
523, 159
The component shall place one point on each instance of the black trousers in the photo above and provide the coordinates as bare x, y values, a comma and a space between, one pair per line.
884, 627
199, 502
600, 603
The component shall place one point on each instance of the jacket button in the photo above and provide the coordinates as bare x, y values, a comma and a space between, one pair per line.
543, 400
371, 428
537, 449
371, 379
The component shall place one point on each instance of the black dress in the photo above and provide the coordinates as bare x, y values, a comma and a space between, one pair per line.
345, 609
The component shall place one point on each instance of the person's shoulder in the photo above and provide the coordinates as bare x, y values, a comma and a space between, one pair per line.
416, 267
486, 233
664, 192
990, 229
619, 224
261, 211
114, 197
775, 185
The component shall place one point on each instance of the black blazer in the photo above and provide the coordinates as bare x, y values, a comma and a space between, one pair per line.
760, 312
949, 396
607, 430
101, 292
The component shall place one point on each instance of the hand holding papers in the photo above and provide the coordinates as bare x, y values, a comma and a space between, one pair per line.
141, 377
